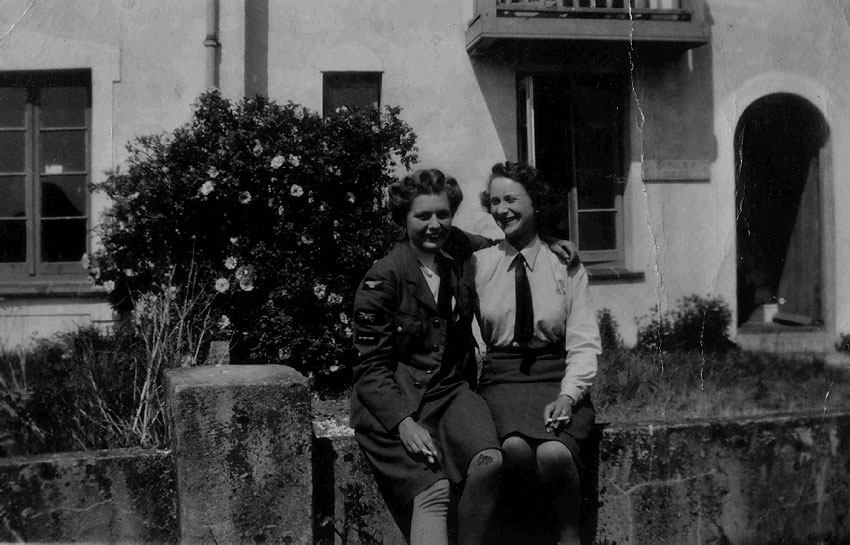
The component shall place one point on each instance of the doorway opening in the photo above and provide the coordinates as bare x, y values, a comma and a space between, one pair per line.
780, 143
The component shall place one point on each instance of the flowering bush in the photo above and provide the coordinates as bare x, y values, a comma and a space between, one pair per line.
279, 209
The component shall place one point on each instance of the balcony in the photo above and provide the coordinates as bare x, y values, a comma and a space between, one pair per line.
674, 24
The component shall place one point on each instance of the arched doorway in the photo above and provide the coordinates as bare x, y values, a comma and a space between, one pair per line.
779, 145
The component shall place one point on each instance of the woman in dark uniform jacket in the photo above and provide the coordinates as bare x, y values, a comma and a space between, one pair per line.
413, 412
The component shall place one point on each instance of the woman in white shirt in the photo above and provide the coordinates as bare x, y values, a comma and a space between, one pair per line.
541, 353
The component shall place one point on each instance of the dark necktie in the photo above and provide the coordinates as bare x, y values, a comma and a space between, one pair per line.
524, 324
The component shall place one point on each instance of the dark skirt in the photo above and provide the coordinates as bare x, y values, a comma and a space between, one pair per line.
518, 386
461, 426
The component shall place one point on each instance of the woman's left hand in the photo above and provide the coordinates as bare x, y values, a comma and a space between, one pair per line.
558, 413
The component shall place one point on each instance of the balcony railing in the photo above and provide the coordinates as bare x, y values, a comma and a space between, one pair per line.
665, 10
674, 22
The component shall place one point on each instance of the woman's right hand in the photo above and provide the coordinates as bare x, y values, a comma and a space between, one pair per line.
417, 440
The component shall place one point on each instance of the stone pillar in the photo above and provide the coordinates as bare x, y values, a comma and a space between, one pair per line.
242, 445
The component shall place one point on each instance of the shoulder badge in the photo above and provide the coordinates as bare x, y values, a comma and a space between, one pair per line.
363, 316
372, 284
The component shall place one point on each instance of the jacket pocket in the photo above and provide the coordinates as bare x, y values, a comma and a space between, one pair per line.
407, 334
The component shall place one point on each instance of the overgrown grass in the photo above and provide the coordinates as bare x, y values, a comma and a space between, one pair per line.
632, 386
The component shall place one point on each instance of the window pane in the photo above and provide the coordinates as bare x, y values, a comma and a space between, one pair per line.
596, 188
12, 197
13, 241
13, 106
63, 106
63, 196
352, 97
63, 240
597, 230
12, 158
63, 151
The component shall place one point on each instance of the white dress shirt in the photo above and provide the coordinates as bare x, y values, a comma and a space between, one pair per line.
563, 312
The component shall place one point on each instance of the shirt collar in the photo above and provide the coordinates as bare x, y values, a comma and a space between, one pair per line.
530, 252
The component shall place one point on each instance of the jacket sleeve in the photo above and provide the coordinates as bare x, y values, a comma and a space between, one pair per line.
461, 244
374, 371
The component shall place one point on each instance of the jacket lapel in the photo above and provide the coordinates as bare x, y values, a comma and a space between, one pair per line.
416, 281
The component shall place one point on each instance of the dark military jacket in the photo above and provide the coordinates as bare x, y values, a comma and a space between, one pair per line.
401, 336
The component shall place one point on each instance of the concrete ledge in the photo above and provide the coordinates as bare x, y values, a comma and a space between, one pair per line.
774, 479
108, 496
242, 442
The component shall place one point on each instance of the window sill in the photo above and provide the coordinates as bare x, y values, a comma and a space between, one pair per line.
32, 289
599, 274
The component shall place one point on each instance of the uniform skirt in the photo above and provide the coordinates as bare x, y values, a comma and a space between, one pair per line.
517, 387
460, 424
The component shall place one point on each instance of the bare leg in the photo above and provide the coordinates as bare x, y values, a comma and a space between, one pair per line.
430, 513
559, 477
480, 496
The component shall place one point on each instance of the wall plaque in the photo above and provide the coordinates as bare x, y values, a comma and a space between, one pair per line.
669, 170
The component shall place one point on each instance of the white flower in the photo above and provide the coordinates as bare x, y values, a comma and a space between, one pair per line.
133, 196
277, 161
343, 318
376, 129
298, 113
293, 160
224, 322
207, 188
333, 368
781, 301
306, 239
342, 109
230, 263
296, 190
85, 261
258, 148
244, 273
334, 170
212, 172
350, 196
222, 285
348, 333
280, 211
319, 290
109, 286
245, 197
129, 273
246, 286
234, 240
334, 299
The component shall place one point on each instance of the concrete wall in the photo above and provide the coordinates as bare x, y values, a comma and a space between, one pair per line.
110, 496
782, 479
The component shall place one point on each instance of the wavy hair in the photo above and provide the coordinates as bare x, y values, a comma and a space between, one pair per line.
426, 181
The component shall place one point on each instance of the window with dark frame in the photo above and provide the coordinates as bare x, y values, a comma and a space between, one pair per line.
571, 127
44, 172
353, 90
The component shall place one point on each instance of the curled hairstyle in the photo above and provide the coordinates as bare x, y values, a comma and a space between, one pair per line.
541, 193
426, 181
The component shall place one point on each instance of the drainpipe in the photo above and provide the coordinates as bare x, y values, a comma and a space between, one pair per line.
212, 44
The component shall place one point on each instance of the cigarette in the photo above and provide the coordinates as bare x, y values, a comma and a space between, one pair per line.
427, 453
564, 418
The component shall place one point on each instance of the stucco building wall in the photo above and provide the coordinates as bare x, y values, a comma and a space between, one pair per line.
148, 65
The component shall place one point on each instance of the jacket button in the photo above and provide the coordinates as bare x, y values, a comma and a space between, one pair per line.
435, 348
436, 323
399, 329
417, 383
427, 371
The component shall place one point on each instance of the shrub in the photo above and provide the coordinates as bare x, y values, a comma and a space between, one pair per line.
280, 211
698, 323
609, 330
72, 392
